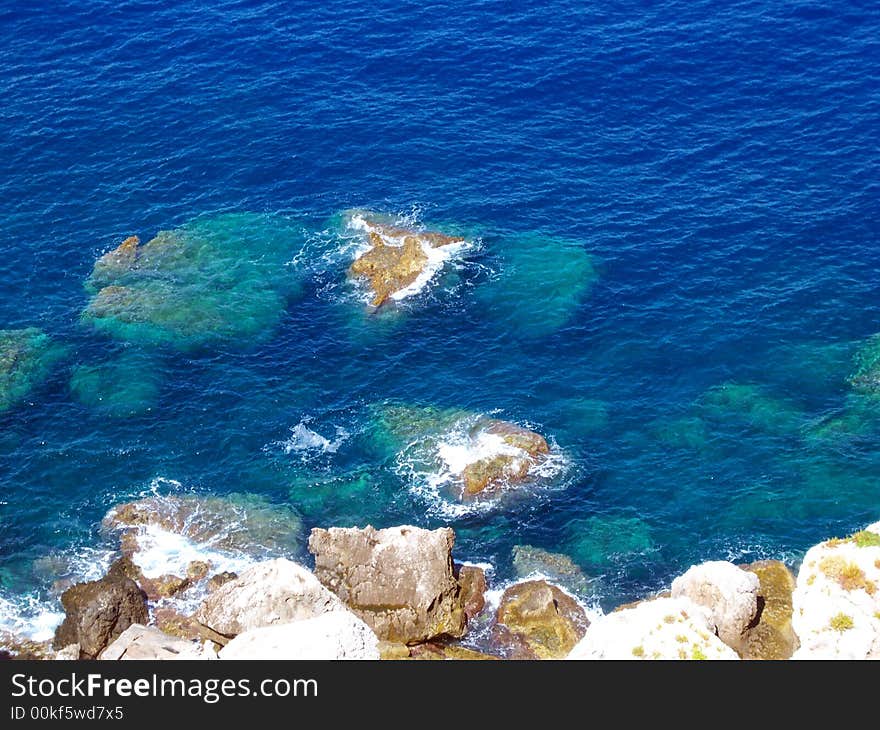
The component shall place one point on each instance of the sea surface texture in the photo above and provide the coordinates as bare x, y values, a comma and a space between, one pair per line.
670, 271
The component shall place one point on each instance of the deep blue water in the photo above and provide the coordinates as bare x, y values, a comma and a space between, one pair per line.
718, 163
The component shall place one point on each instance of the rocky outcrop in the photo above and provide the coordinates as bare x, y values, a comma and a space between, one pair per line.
560, 569
729, 593
537, 620
97, 612
396, 257
773, 636
148, 642
836, 603
526, 449
334, 635
268, 593
400, 580
472, 580
663, 628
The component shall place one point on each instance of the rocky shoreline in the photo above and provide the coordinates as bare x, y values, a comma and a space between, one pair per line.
398, 593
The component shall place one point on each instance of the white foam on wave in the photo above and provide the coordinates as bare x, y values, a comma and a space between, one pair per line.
302, 438
29, 616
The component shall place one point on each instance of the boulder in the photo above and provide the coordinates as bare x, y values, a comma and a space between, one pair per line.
472, 580
97, 612
334, 635
836, 602
663, 628
729, 593
219, 579
272, 592
164, 586
773, 636
148, 642
400, 580
538, 620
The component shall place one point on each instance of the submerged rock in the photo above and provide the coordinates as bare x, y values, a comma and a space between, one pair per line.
836, 603
237, 522
773, 637
26, 360
662, 628
124, 386
400, 580
537, 620
97, 612
397, 256
529, 560
335, 635
220, 278
542, 283
268, 593
866, 376
750, 405
727, 592
602, 540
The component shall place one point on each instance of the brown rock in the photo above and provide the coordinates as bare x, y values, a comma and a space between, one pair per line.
433, 239
473, 588
399, 581
218, 579
433, 650
119, 260
390, 268
18, 647
98, 612
174, 623
545, 621
165, 586
197, 570
391, 650
490, 474
773, 636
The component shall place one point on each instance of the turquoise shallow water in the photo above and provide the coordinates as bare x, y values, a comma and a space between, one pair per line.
672, 214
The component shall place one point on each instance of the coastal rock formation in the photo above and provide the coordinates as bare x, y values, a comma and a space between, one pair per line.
26, 359
473, 589
148, 642
663, 628
397, 256
560, 569
773, 637
514, 453
400, 580
538, 620
97, 612
334, 635
837, 599
729, 593
272, 592
237, 522
220, 278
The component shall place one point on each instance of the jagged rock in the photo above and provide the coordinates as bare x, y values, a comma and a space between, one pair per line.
172, 622
272, 592
729, 593
396, 258
400, 580
164, 586
561, 569
502, 469
334, 635
663, 628
472, 580
538, 620
98, 612
148, 642
773, 637
836, 603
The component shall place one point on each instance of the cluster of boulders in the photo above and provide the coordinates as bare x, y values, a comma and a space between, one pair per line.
397, 593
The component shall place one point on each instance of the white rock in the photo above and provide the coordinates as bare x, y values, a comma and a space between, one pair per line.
663, 628
272, 592
335, 635
729, 593
147, 642
837, 601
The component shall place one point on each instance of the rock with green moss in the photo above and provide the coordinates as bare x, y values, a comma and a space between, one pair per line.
27, 357
221, 278
529, 560
542, 282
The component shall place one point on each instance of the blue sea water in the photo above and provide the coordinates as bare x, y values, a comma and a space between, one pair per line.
674, 213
